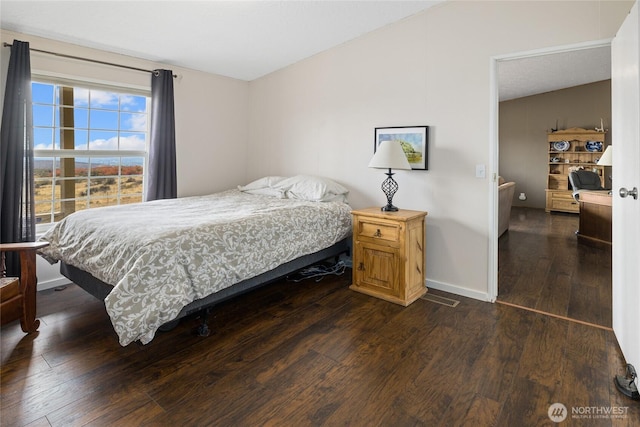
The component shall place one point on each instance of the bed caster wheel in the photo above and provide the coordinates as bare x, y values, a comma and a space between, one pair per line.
203, 330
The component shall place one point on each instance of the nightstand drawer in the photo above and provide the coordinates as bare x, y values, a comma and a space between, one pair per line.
378, 231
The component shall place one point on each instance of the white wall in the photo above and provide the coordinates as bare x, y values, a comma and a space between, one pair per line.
318, 116
211, 116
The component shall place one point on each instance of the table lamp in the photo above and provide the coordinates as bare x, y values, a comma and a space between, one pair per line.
607, 159
389, 155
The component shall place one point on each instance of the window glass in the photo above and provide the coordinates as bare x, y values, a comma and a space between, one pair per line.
43, 138
42, 93
103, 119
103, 140
42, 115
81, 118
133, 121
103, 100
108, 130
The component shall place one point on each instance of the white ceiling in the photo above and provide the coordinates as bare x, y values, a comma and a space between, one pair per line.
240, 39
249, 39
545, 73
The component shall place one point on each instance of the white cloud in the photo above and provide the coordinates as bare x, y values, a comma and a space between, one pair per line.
130, 142
102, 99
133, 142
136, 122
43, 147
80, 96
98, 98
127, 100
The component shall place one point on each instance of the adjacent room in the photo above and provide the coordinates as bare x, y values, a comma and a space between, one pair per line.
572, 277
291, 213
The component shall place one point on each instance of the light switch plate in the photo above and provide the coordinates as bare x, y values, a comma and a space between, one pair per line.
480, 171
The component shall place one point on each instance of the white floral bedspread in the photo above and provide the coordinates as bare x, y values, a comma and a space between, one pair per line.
162, 255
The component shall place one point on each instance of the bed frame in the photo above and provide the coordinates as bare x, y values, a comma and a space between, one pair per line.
100, 289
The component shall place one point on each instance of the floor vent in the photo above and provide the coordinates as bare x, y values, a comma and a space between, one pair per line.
440, 300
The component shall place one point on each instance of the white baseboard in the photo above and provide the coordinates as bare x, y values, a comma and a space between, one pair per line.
457, 290
49, 275
53, 283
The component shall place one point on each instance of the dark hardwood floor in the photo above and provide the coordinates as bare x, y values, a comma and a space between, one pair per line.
541, 265
310, 354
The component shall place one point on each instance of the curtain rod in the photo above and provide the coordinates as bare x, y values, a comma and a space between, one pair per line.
154, 72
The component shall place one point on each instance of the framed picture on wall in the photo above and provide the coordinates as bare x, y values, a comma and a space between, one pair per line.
414, 141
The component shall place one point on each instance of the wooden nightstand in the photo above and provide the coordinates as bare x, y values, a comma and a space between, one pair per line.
388, 254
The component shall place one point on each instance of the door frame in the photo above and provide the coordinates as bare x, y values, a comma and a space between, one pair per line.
494, 143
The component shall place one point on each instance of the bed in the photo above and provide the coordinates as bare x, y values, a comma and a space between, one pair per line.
156, 262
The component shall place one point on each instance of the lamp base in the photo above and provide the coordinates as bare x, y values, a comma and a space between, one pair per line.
389, 188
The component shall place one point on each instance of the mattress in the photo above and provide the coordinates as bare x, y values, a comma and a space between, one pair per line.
162, 255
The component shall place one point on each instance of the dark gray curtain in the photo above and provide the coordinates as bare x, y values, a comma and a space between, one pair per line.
16, 145
161, 173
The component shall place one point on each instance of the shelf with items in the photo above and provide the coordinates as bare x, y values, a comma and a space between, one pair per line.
570, 150
565, 168
558, 177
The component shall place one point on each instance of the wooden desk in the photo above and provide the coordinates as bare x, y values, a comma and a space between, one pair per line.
595, 218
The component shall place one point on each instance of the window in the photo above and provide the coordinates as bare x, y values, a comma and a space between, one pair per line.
90, 148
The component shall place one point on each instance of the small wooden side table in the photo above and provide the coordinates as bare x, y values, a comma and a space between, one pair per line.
389, 254
18, 294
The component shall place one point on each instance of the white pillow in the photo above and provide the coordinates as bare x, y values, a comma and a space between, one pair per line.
271, 192
266, 182
264, 187
312, 188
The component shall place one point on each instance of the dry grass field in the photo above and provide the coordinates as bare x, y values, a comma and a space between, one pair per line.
101, 187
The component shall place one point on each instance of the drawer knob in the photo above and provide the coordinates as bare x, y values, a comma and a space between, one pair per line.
377, 233
361, 266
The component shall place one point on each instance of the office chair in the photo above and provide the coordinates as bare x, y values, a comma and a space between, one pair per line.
584, 180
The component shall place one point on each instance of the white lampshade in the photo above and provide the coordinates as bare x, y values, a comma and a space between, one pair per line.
607, 157
390, 155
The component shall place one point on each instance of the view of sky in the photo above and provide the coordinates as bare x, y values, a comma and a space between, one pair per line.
102, 120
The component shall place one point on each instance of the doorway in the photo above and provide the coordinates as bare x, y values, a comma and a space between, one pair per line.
539, 264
